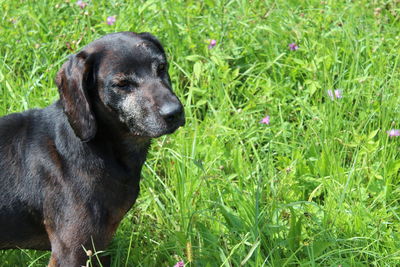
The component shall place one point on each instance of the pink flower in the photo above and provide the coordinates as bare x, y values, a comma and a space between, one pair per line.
265, 120
111, 20
212, 44
335, 94
179, 264
393, 132
338, 93
293, 46
81, 4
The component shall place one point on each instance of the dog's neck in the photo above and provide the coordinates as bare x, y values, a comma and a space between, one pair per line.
129, 150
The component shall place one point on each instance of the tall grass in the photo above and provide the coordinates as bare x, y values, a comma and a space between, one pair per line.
318, 186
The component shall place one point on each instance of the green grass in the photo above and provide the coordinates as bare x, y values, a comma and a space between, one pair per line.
319, 186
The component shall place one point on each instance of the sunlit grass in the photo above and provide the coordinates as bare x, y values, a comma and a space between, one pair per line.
317, 186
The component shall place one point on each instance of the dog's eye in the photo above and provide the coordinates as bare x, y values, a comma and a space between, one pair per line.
122, 84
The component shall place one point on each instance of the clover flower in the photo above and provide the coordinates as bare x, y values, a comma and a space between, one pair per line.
179, 264
111, 20
81, 4
265, 120
335, 94
393, 133
338, 93
293, 46
212, 44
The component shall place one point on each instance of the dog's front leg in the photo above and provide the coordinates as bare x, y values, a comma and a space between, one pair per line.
72, 234
66, 257
69, 249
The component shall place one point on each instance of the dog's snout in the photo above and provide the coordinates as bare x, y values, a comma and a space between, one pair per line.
171, 111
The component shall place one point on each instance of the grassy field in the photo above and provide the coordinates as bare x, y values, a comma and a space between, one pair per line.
317, 186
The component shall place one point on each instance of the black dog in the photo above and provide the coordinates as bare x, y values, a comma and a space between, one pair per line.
70, 172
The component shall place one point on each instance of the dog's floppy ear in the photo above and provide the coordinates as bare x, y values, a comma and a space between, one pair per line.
72, 81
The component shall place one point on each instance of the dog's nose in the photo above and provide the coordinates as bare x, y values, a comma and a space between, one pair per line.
171, 111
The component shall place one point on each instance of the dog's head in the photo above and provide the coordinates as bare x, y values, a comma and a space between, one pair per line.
121, 80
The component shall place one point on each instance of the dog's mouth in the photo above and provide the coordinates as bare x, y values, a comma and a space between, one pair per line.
170, 117
156, 128
146, 119
176, 123
170, 126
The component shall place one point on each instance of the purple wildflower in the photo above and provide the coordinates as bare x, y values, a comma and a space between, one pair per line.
212, 44
293, 46
330, 94
393, 132
179, 264
81, 4
265, 120
335, 94
111, 20
338, 93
